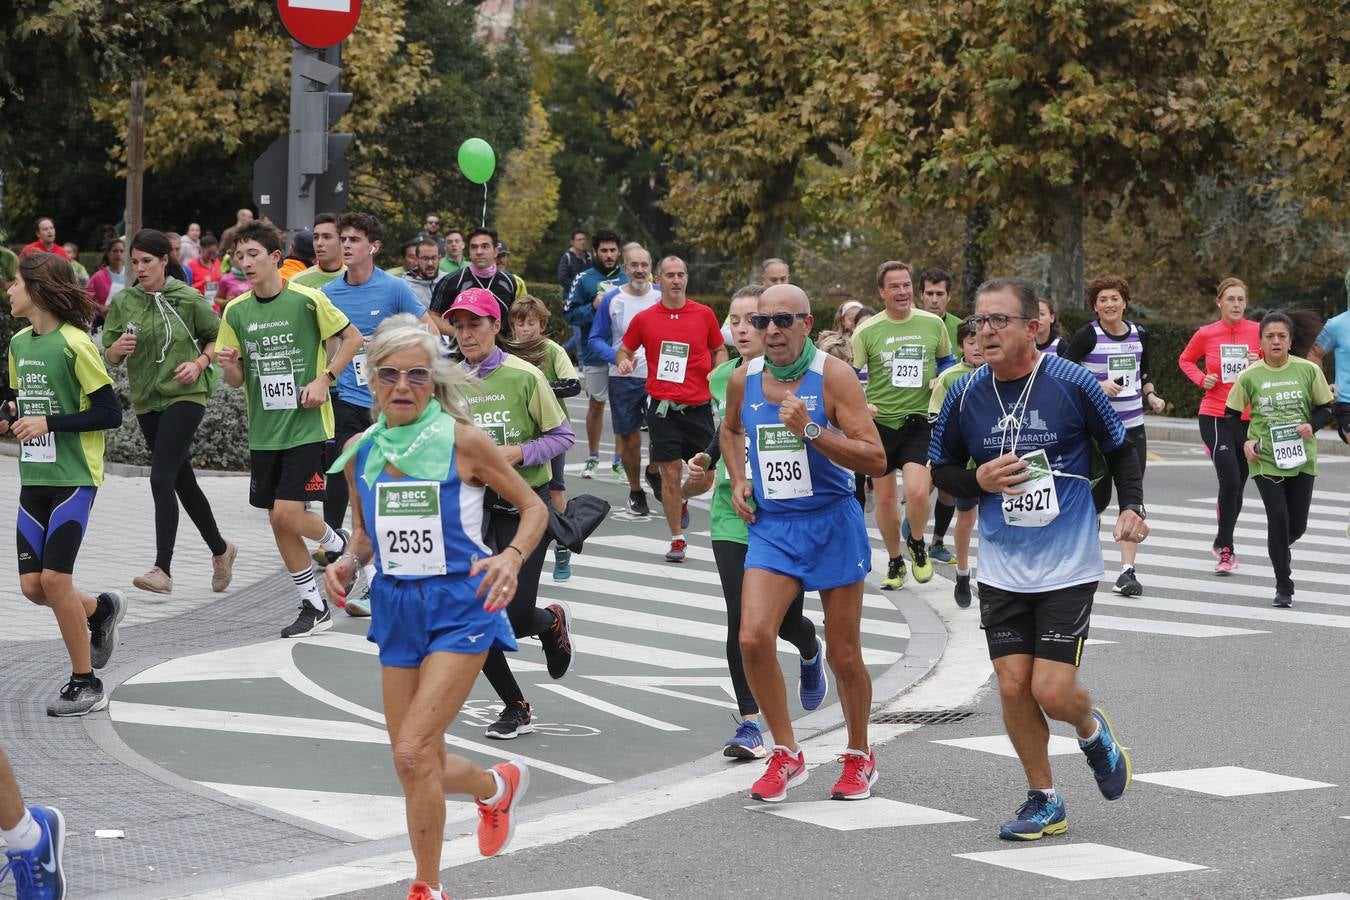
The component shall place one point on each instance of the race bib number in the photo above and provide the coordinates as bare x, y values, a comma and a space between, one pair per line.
1286, 445
1232, 361
784, 470
359, 367
907, 367
1038, 504
276, 382
673, 362
1124, 370
39, 449
212, 288
408, 519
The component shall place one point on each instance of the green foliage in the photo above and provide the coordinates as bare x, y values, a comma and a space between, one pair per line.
221, 443
527, 201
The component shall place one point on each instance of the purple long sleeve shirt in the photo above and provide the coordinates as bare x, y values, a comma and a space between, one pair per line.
549, 444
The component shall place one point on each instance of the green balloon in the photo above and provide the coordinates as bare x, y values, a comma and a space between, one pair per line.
476, 160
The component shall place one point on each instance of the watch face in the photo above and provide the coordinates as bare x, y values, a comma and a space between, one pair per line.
812, 430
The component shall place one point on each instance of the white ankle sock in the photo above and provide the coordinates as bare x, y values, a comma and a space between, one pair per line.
308, 587
1096, 732
24, 836
501, 789
370, 572
1049, 793
1124, 569
332, 541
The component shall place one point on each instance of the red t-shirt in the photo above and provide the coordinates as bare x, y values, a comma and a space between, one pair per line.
679, 344
38, 247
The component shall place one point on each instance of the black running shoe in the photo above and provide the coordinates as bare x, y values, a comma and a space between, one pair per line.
103, 637
637, 503
557, 641
326, 558
515, 720
1283, 601
1127, 585
962, 591
654, 481
310, 621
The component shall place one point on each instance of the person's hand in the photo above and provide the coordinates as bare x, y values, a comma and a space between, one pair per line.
1249, 449
1210, 380
1304, 430
700, 476
1002, 475
10, 410
871, 408
794, 415
29, 427
228, 357
124, 346
1130, 528
1111, 388
513, 454
1156, 403
499, 580
625, 365
315, 393
741, 496
339, 577
188, 372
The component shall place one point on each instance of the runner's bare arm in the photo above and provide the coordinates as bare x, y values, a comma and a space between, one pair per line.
859, 447
732, 436
338, 578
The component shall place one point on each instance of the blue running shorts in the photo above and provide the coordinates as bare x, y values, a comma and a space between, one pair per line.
826, 548
413, 618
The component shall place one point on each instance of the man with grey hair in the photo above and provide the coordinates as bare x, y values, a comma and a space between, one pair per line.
774, 271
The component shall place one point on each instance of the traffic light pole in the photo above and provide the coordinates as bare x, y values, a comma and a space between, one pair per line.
299, 185
311, 151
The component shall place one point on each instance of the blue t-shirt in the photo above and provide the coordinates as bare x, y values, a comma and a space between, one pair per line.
1335, 337
1064, 415
366, 305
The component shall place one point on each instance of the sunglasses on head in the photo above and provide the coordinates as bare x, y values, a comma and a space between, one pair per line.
418, 377
781, 319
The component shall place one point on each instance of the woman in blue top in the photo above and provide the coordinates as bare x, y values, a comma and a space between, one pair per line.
416, 480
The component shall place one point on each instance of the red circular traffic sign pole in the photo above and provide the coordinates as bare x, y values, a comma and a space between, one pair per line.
319, 23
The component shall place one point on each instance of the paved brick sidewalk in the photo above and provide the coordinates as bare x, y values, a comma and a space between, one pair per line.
120, 545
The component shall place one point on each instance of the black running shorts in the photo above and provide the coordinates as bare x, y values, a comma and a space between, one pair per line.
295, 473
1048, 625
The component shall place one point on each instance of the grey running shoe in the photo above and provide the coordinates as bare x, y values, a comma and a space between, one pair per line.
156, 581
104, 636
310, 621
1127, 585
79, 698
222, 568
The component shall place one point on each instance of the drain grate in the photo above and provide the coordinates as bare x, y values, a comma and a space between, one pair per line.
923, 717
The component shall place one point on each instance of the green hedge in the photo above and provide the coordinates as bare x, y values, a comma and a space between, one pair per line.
222, 438
1167, 339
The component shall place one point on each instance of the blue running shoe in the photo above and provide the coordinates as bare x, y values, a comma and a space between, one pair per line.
38, 873
938, 552
1109, 761
813, 684
746, 743
1036, 818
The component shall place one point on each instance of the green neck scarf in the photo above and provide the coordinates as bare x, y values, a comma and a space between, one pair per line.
421, 449
794, 370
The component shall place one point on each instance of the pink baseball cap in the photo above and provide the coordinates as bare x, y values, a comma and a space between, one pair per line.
479, 301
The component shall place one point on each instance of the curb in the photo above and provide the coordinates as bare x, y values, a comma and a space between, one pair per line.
1187, 431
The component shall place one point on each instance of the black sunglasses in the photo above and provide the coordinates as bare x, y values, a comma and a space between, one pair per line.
782, 319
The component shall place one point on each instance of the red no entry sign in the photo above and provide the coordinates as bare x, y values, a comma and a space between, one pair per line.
319, 23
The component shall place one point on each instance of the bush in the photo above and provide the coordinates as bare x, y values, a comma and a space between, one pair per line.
222, 438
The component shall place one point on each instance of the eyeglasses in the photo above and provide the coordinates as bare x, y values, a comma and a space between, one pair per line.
418, 377
996, 321
781, 319
433, 221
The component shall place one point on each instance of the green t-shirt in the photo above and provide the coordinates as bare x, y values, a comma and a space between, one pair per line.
1280, 399
944, 385
953, 325
316, 278
53, 374
281, 347
448, 265
557, 364
725, 524
514, 404
901, 362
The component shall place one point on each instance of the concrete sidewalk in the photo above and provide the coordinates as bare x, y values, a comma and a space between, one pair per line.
1187, 431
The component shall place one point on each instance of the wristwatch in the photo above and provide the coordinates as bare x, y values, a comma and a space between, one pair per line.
1136, 508
811, 431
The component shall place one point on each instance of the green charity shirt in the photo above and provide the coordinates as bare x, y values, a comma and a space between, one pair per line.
53, 374
1280, 399
281, 348
944, 385
557, 364
513, 405
901, 361
316, 278
725, 524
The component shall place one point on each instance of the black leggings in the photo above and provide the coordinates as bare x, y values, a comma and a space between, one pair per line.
527, 620
1223, 439
1287, 502
796, 628
169, 436
1101, 491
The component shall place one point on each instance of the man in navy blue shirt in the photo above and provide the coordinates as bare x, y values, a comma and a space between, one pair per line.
1032, 425
579, 306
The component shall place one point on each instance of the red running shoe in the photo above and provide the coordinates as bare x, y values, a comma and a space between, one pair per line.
497, 822
784, 770
860, 773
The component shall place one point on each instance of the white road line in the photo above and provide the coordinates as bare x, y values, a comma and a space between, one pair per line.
369, 816
661, 686
1222, 610
591, 647
1157, 626
611, 708
1233, 586
1317, 509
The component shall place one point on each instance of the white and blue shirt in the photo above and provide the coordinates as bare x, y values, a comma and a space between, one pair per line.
366, 305
1335, 337
1065, 414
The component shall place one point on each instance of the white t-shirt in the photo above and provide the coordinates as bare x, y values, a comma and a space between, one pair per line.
623, 308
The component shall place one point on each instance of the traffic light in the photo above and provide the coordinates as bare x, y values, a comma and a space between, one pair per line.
320, 105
